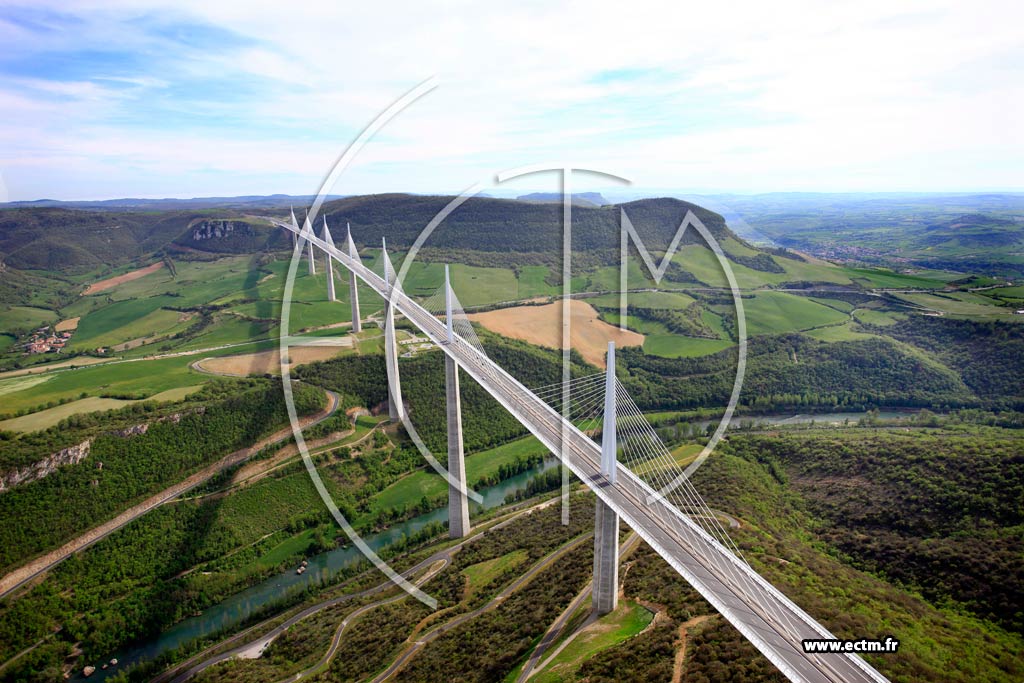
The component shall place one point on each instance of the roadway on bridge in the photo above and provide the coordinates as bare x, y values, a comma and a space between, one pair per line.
772, 623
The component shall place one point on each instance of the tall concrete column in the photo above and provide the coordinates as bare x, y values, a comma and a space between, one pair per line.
396, 409
605, 595
329, 264
458, 502
307, 228
353, 291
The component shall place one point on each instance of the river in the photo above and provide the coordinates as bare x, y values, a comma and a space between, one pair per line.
241, 605
322, 567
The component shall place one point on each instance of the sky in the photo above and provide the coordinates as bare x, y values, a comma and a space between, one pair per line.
218, 98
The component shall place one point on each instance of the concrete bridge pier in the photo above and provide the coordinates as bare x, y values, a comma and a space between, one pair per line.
605, 594
329, 264
396, 408
353, 292
308, 229
458, 502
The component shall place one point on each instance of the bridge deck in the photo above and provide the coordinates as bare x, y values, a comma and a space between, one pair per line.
771, 622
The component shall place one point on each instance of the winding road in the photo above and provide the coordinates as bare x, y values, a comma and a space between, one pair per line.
20, 576
196, 664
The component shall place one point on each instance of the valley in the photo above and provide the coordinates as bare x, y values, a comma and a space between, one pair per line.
872, 472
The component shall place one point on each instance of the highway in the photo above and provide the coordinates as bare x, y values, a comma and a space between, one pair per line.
771, 622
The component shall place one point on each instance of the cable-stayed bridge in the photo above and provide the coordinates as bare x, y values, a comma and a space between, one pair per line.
628, 471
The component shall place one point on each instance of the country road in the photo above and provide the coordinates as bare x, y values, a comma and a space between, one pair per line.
27, 572
194, 665
524, 578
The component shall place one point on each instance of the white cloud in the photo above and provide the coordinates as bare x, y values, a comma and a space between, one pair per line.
787, 96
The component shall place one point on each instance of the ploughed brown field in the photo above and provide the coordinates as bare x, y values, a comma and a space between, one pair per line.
542, 325
263, 362
104, 285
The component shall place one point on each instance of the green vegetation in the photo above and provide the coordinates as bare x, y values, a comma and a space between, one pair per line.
935, 509
797, 372
485, 466
775, 312
44, 419
677, 346
484, 573
950, 495
35, 515
24, 318
625, 622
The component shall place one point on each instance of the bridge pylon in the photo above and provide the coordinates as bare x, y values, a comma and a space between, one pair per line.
605, 593
353, 291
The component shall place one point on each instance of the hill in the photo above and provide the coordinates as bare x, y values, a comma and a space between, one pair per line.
501, 225
578, 198
74, 240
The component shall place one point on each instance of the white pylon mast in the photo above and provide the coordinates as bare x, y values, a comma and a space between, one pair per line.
353, 254
448, 305
608, 443
329, 264
308, 229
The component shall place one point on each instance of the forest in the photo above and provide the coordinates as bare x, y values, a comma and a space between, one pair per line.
121, 470
939, 510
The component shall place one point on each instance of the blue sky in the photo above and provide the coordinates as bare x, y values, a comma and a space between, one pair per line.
190, 98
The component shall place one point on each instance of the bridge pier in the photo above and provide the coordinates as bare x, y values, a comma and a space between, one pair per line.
458, 502
329, 264
605, 593
353, 291
307, 228
396, 408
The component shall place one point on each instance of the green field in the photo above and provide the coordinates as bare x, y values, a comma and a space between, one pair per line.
24, 318
628, 619
881, 318
482, 573
670, 300
838, 333
702, 262
22, 383
45, 419
775, 312
678, 346
427, 483
887, 279
837, 304
636, 323
531, 282
957, 305
1007, 292
155, 323
147, 377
